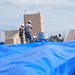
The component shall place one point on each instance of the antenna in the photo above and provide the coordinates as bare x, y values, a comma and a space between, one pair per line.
24, 11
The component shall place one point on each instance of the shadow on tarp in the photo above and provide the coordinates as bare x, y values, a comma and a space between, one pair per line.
38, 58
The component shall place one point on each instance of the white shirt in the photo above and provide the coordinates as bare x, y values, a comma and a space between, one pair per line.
28, 27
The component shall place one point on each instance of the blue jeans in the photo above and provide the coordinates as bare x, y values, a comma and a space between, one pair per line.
28, 37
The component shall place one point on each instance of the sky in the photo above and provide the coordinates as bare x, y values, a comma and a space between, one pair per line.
59, 15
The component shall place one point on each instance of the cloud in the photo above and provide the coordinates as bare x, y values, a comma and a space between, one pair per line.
63, 7
4, 2
69, 19
24, 2
33, 1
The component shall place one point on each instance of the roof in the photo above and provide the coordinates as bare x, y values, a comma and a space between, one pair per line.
9, 34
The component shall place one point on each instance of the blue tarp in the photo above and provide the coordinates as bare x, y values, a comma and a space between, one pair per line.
38, 58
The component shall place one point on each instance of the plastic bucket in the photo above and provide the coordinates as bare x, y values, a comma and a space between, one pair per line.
42, 35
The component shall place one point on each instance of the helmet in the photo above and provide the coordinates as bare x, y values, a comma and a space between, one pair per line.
29, 21
22, 25
60, 34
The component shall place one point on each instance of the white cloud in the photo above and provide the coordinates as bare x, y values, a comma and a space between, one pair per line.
32, 1
70, 19
24, 2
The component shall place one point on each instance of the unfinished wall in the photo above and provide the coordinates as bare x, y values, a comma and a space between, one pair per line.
37, 22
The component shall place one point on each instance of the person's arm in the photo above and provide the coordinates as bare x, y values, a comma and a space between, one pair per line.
19, 30
25, 30
31, 27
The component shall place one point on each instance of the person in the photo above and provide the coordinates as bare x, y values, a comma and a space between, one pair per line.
21, 34
60, 38
56, 37
34, 38
28, 29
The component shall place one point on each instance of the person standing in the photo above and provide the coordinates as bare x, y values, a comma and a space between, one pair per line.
21, 34
28, 29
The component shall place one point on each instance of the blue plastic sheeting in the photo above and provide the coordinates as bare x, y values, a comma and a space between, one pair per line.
38, 58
